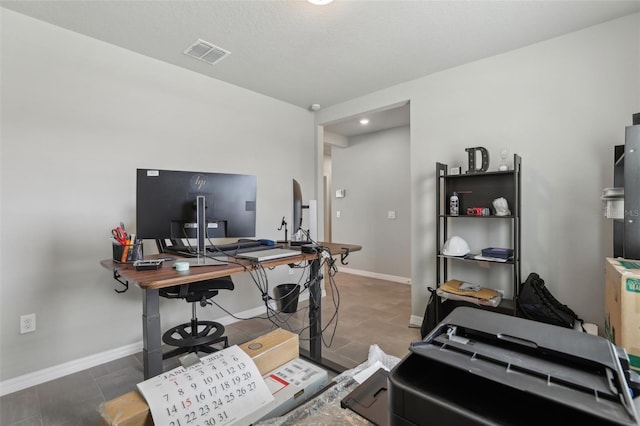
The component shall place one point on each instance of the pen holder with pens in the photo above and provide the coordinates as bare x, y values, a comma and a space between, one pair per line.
127, 253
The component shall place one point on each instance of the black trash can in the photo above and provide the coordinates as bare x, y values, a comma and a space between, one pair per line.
286, 296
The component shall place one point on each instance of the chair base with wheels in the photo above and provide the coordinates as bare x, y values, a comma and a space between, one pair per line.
196, 336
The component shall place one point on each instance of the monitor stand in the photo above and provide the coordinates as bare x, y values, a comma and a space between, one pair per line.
201, 258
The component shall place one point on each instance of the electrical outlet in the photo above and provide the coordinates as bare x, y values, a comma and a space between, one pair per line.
27, 323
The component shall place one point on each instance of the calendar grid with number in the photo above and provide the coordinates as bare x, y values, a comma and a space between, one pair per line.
216, 391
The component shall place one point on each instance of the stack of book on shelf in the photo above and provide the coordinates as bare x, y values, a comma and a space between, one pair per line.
495, 254
468, 292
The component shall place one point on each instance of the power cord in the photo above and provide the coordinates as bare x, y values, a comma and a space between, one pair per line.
260, 279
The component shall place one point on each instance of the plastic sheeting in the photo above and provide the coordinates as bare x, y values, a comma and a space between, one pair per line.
325, 408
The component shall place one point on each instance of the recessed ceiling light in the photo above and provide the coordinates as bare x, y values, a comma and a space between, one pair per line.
319, 2
364, 121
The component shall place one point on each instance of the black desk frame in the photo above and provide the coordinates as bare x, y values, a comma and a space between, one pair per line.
151, 330
152, 333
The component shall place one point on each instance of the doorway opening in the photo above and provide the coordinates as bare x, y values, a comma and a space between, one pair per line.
366, 189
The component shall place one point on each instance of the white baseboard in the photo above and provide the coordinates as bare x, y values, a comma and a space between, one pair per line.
393, 278
55, 372
227, 320
60, 370
415, 320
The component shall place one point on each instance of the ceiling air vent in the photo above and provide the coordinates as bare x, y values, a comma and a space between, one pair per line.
206, 52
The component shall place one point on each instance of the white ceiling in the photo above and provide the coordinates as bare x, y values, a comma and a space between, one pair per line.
395, 116
305, 54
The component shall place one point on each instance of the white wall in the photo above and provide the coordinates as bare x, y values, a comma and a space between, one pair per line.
78, 117
373, 169
562, 105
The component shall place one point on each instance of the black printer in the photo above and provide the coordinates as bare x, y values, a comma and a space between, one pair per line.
483, 368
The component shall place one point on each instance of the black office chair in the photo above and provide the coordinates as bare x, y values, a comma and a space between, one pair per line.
196, 336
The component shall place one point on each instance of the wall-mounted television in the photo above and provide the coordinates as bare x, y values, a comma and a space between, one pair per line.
166, 204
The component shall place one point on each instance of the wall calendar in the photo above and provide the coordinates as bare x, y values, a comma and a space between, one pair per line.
224, 388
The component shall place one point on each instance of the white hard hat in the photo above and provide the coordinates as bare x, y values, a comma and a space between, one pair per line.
455, 246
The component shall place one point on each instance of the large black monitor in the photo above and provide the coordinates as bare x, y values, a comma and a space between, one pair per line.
298, 208
166, 204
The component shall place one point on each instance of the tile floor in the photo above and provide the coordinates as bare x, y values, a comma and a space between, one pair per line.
371, 311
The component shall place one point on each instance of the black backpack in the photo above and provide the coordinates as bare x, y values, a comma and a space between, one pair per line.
429, 320
535, 302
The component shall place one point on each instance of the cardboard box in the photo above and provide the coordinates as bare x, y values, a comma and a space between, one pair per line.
129, 409
290, 384
622, 306
273, 349
269, 352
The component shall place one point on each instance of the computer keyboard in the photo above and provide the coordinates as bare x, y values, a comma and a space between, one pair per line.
227, 249
240, 250
299, 243
230, 247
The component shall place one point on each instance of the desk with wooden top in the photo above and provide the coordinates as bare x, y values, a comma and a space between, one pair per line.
150, 281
